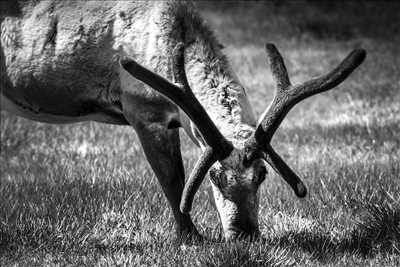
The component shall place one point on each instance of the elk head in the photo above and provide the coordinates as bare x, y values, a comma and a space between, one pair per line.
237, 172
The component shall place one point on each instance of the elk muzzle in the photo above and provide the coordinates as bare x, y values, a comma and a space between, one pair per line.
238, 215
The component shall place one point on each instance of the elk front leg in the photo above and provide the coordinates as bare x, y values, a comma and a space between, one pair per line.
162, 149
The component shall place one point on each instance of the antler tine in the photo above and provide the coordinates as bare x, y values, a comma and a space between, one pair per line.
288, 96
278, 68
279, 165
206, 160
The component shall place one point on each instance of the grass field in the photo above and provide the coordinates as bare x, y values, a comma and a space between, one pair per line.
83, 194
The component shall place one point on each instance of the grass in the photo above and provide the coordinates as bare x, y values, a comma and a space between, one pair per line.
83, 194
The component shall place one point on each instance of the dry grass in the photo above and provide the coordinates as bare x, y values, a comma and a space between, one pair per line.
83, 194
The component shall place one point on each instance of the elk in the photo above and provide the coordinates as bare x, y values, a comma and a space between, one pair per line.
157, 67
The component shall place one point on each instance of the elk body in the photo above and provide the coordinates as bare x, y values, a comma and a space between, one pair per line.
157, 67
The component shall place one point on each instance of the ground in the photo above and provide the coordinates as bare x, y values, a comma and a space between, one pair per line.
83, 194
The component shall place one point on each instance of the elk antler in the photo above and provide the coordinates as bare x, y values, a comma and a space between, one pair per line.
286, 97
219, 147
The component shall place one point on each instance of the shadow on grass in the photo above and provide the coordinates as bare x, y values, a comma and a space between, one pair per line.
378, 232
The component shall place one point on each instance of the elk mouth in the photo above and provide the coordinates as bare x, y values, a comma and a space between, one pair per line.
239, 215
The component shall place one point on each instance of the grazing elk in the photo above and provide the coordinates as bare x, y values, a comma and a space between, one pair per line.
70, 61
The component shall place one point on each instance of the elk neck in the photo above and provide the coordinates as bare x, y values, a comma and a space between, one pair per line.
214, 83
